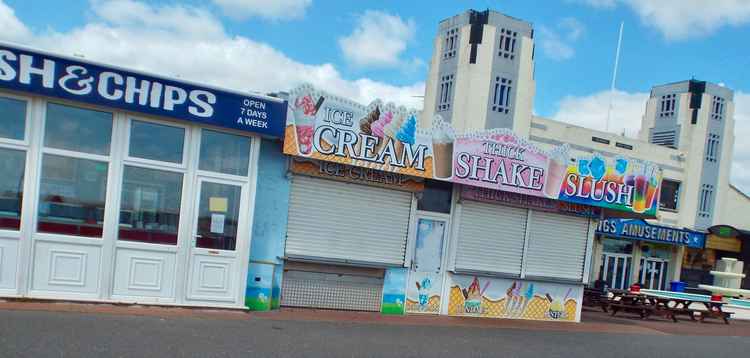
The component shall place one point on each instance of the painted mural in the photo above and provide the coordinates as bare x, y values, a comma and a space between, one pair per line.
385, 137
508, 298
394, 295
423, 292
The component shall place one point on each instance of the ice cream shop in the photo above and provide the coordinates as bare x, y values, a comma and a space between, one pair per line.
121, 186
385, 216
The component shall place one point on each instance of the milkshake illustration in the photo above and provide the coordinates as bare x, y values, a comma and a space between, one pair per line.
443, 137
423, 291
473, 298
556, 170
305, 110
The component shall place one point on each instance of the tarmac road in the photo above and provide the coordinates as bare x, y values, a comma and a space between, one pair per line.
73, 334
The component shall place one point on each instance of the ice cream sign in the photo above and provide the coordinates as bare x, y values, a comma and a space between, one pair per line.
385, 137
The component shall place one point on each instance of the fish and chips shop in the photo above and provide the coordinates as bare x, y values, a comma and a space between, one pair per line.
386, 216
122, 186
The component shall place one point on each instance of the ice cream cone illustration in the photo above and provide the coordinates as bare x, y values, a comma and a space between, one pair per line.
443, 136
377, 127
473, 295
406, 134
389, 134
365, 125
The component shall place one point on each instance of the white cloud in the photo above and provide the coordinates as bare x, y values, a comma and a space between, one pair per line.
591, 111
12, 27
556, 43
191, 43
273, 10
627, 110
682, 19
379, 40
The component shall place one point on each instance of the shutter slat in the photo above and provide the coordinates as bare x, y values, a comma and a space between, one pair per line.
343, 221
490, 238
557, 246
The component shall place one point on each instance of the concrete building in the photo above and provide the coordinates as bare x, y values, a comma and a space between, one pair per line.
490, 56
686, 129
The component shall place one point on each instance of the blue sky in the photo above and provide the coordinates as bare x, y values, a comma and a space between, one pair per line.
366, 49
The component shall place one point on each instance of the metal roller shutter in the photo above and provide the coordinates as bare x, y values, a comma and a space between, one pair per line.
557, 246
490, 238
332, 291
343, 222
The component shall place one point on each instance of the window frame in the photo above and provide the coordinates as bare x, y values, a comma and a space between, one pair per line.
677, 196
158, 163
41, 150
27, 122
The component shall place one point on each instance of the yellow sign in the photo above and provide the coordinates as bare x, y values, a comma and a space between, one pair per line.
217, 204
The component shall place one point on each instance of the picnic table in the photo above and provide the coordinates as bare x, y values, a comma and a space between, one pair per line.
670, 306
680, 304
642, 304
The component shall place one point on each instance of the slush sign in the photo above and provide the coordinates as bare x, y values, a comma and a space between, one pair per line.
27, 71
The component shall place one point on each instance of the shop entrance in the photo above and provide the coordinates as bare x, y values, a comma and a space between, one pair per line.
653, 273
616, 270
214, 269
425, 284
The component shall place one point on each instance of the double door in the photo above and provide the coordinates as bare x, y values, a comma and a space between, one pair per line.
653, 273
616, 270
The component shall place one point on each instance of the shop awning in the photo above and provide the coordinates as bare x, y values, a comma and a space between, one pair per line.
636, 229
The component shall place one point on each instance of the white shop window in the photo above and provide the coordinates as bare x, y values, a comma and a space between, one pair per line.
75, 164
224, 153
13, 148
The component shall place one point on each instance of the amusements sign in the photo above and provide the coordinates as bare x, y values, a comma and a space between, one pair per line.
385, 137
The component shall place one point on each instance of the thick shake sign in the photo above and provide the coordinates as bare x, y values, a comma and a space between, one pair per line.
498, 159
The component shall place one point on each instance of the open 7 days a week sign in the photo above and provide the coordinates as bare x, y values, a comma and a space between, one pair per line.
385, 137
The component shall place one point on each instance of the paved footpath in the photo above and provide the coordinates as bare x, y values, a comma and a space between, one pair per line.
39, 329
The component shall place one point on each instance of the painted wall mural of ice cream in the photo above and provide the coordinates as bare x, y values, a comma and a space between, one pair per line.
385, 137
518, 299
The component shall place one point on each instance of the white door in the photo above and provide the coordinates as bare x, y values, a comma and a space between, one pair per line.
425, 284
616, 270
653, 273
219, 232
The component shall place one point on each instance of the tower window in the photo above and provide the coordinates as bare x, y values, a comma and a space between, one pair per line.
507, 48
717, 108
667, 105
451, 44
446, 93
501, 95
705, 200
712, 147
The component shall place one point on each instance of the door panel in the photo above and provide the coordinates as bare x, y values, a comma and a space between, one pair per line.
62, 267
8, 264
213, 278
147, 274
424, 287
214, 266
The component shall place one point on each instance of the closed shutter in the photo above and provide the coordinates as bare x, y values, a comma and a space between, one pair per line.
557, 246
490, 238
343, 222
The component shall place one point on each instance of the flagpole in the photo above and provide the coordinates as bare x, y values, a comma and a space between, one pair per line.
614, 77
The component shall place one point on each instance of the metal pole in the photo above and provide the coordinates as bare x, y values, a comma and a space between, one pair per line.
614, 77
